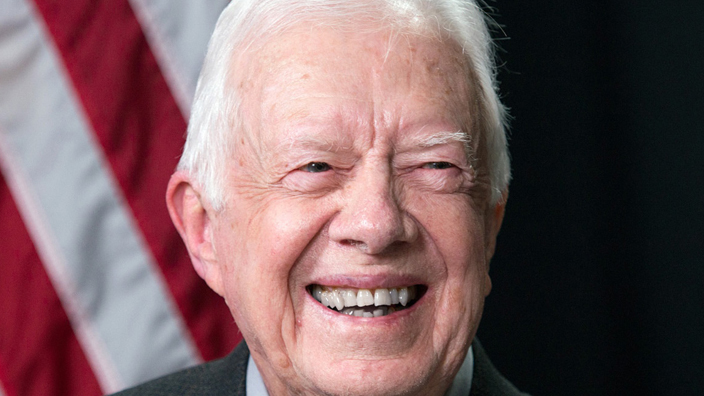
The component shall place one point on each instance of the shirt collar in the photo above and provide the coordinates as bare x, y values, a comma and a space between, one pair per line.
460, 385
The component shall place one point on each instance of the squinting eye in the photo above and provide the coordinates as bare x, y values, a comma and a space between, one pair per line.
316, 167
437, 165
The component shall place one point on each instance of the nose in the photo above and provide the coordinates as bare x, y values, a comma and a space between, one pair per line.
371, 217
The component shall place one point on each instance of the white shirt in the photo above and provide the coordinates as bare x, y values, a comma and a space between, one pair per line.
460, 385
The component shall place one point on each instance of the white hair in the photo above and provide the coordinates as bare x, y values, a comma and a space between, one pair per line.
216, 117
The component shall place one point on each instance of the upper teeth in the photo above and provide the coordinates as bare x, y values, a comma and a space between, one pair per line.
340, 298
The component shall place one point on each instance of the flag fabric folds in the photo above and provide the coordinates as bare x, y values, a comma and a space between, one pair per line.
97, 292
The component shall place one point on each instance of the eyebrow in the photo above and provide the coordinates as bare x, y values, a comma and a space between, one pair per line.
443, 137
447, 137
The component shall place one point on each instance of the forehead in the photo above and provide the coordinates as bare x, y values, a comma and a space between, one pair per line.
380, 78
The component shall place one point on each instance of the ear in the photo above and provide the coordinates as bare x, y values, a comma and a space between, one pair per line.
193, 218
494, 218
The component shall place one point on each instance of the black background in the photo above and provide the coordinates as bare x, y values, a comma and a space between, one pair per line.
598, 276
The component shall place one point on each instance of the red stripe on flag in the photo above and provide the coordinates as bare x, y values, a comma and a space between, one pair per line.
140, 128
5, 387
39, 353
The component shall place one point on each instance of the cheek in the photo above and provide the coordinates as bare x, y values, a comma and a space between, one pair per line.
454, 223
260, 251
284, 229
456, 229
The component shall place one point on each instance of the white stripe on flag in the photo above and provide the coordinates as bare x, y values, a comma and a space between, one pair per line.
55, 265
178, 32
104, 271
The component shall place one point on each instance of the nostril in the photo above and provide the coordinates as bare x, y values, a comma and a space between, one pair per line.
353, 243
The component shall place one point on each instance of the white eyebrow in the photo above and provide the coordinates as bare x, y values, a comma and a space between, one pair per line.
444, 138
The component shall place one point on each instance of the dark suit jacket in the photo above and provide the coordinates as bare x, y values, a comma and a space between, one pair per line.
227, 377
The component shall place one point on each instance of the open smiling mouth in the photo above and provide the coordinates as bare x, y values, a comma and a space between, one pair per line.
367, 303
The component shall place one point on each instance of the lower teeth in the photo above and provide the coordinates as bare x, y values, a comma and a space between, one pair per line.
368, 312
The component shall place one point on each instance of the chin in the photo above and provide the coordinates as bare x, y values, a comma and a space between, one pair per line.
403, 352
382, 378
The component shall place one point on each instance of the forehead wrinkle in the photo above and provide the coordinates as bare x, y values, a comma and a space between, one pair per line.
311, 91
305, 140
403, 67
297, 109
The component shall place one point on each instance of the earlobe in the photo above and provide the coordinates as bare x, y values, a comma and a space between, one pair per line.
487, 284
495, 216
192, 218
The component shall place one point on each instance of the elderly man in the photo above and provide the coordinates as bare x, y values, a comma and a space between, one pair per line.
342, 186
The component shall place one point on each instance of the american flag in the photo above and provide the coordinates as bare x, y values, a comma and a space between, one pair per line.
97, 292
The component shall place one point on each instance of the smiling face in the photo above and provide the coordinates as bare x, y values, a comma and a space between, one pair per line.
352, 188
